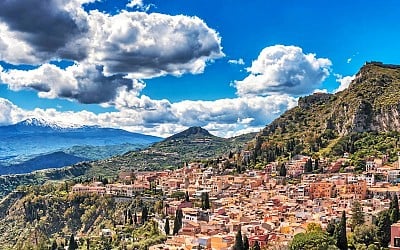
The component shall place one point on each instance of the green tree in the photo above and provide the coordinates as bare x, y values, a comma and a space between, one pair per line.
330, 228
246, 245
282, 170
135, 218
238, 241
394, 209
357, 217
383, 224
145, 212
365, 235
316, 240
313, 227
205, 201
187, 199
256, 245
308, 167
316, 164
130, 220
166, 228
72, 243
54, 245
177, 221
340, 233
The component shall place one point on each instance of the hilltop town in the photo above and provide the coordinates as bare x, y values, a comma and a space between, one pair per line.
268, 205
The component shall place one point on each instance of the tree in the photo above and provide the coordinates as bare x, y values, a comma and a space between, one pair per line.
365, 235
308, 167
313, 227
205, 201
246, 245
383, 223
238, 241
187, 199
316, 239
72, 243
256, 245
330, 228
316, 164
145, 212
394, 209
282, 170
130, 217
135, 218
177, 221
340, 233
357, 217
54, 245
166, 228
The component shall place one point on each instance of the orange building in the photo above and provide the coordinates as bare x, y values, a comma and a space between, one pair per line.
322, 189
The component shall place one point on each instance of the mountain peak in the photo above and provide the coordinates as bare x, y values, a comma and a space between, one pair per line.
197, 132
40, 122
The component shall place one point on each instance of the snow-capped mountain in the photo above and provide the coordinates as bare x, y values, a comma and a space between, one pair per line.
36, 137
40, 122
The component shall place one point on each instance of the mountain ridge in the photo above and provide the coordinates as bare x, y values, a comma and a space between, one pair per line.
321, 123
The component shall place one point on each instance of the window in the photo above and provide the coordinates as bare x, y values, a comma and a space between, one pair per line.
396, 241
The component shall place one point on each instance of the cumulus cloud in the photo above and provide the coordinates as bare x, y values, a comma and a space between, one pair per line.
226, 117
283, 69
239, 61
344, 82
150, 45
84, 83
144, 45
111, 52
45, 26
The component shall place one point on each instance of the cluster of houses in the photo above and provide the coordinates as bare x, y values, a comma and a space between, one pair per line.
263, 205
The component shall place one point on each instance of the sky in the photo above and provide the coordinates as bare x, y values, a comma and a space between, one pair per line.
160, 66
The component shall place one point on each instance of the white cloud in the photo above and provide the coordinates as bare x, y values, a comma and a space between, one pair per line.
344, 82
150, 45
226, 117
283, 69
135, 3
84, 83
110, 52
349, 60
239, 61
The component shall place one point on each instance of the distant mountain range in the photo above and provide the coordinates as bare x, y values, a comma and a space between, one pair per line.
35, 144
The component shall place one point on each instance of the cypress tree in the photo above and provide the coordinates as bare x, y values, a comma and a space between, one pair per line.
54, 245
383, 224
166, 228
187, 199
316, 164
246, 245
177, 221
205, 201
72, 243
238, 241
340, 233
256, 245
394, 209
282, 170
308, 167
135, 218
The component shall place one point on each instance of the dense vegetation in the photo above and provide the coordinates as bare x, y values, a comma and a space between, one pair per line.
37, 217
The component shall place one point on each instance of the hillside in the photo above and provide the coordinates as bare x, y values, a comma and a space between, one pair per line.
192, 144
324, 124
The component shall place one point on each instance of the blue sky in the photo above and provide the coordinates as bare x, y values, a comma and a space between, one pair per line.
158, 67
